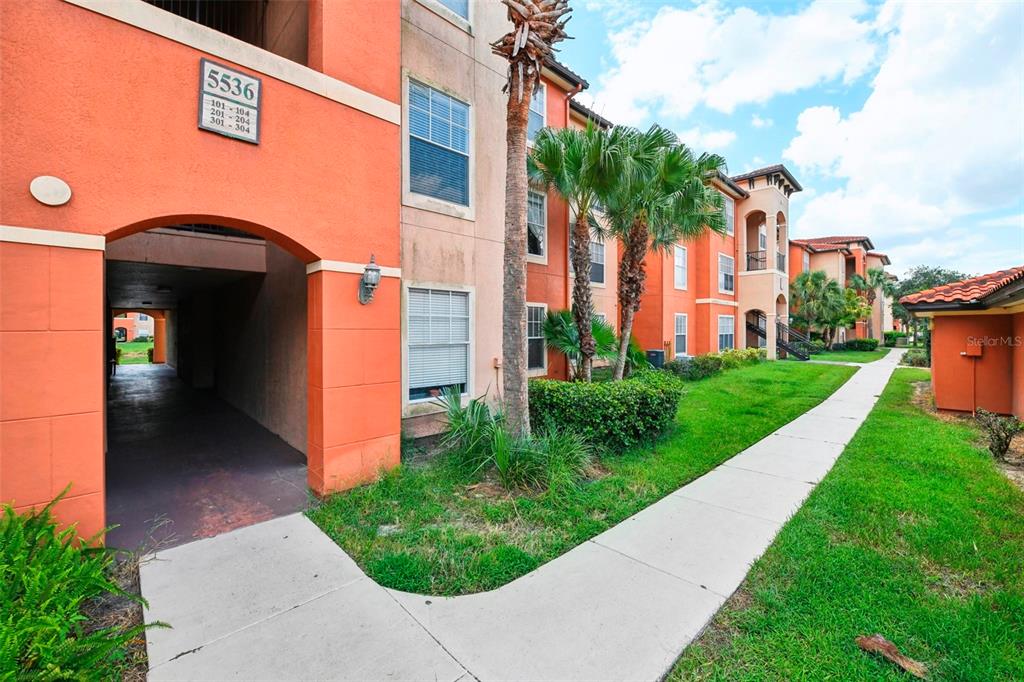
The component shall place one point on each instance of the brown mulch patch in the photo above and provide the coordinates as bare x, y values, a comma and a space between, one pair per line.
116, 611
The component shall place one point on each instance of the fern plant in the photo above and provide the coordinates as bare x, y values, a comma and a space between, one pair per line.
47, 576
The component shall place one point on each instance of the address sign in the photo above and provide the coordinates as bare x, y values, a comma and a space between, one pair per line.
229, 102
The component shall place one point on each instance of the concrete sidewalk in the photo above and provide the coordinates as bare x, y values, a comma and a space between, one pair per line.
280, 600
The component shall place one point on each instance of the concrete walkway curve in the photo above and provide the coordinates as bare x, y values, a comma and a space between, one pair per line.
279, 600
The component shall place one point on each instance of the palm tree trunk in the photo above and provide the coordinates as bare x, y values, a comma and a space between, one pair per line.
582, 298
516, 397
631, 288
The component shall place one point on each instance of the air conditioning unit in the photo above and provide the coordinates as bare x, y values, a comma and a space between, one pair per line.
656, 358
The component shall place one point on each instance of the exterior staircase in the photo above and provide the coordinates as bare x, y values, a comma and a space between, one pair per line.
788, 341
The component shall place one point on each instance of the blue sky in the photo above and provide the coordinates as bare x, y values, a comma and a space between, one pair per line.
903, 121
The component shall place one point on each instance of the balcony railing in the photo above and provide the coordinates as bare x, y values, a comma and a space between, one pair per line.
757, 260
780, 261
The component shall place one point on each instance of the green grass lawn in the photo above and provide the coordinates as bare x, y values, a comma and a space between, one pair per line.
851, 355
914, 535
432, 529
134, 352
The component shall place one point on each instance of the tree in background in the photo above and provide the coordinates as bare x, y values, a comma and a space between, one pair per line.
582, 166
536, 26
917, 279
868, 286
817, 302
666, 198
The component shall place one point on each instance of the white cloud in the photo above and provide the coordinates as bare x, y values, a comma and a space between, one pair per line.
730, 56
939, 138
759, 122
1016, 220
706, 140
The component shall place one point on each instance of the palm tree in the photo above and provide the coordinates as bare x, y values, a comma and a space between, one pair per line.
868, 286
817, 301
665, 198
536, 26
581, 166
561, 333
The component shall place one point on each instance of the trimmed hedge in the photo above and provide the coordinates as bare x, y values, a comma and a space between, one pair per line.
861, 344
710, 364
611, 415
915, 357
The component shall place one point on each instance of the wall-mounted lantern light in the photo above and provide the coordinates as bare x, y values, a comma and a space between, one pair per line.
369, 281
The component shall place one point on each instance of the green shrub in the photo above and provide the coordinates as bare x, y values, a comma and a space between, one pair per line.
738, 357
816, 346
478, 440
614, 415
892, 338
915, 357
838, 346
862, 344
149, 355
1000, 431
117, 356
46, 578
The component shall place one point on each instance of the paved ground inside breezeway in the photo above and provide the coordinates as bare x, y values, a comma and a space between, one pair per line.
280, 600
182, 464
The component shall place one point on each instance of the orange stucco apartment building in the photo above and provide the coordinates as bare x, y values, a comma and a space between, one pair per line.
841, 257
308, 196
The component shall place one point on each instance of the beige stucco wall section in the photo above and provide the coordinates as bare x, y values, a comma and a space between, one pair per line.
760, 289
453, 247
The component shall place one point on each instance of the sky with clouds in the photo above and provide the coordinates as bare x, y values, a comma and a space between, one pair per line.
903, 121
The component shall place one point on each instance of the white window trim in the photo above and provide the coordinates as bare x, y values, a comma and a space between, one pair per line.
686, 267
543, 112
718, 332
686, 333
466, 24
537, 371
531, 258
568, 259
593, 284
730, 225
719, 274
422, 406
421, 201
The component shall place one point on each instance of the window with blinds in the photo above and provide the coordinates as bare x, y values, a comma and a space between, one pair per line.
538, 112
679, 266
536, 223
536, 357
681, 324
596, 261
597, 258
438, 338
729, 211
726, 332
726, 274
438, 145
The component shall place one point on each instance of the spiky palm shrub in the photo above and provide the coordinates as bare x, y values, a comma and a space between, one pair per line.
561, 333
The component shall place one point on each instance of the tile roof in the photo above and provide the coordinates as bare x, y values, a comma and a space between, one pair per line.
968, 290
818, 247
565, 72
768, 170
843, 239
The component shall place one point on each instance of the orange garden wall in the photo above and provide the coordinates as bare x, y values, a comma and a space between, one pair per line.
964, 383
323, 183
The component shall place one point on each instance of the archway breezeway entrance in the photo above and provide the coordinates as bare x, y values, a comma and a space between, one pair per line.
215, 437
